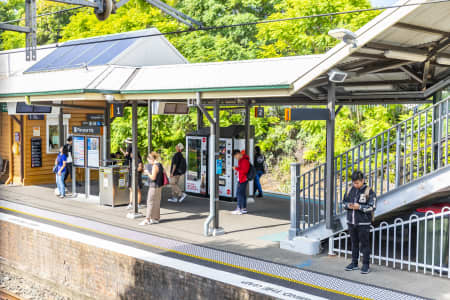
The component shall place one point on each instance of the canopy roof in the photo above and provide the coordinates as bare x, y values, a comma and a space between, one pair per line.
401, 55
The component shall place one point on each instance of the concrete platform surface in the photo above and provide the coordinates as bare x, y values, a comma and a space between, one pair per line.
256, 234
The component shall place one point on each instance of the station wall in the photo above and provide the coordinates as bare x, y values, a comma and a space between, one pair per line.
39, 175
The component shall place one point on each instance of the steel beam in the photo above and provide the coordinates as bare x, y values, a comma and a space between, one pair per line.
420, 28
61, 128
16, 28
216, 176
134, 161
294, 229
411, 73
31, 37
175, 13
78, 2
329, 176
247, 128
199, 119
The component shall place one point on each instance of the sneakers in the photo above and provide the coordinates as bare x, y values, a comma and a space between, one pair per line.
141, 206
351, 267
130, 206
182, 197
62, 196
172, 199
244, 211
145, 222
154, 221
365, 269
237, 211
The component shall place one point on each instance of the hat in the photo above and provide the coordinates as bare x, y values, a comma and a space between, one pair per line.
180, 146
129, 141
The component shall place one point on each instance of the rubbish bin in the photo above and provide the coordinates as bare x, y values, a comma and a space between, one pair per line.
420, 212
113, 185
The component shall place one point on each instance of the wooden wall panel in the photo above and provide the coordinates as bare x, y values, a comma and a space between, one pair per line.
4, 135
44, 175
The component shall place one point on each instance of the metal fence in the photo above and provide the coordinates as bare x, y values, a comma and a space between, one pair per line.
399, 155
419, 244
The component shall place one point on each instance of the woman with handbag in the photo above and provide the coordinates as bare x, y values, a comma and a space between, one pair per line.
60, 171
155, 172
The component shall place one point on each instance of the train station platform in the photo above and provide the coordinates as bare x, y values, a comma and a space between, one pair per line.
249, 248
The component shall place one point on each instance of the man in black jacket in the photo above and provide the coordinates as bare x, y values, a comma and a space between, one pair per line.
360, 203
68, 151
177, 170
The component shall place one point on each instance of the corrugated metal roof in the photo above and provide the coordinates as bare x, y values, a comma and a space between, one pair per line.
263, 73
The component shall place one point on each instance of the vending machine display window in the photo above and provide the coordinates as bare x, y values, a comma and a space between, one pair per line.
194, 158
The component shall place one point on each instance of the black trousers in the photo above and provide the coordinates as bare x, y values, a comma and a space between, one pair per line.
68, 172
360, 234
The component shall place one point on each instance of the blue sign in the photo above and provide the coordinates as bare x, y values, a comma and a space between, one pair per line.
218, 166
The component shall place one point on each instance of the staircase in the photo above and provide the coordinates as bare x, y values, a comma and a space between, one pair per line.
404, 165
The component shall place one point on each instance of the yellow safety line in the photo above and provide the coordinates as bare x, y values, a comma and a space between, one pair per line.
190, 255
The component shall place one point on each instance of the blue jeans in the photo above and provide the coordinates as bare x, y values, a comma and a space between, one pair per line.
257, 182
241, 195
60, 183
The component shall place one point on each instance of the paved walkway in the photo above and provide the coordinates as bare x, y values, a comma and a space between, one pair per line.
255, 235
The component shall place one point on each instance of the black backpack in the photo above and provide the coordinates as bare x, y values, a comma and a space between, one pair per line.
251, 173
183, 167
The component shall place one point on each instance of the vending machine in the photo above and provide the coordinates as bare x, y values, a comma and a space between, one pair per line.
197, 155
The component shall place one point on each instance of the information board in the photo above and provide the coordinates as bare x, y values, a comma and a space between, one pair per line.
93, 151
79, 151
36, 152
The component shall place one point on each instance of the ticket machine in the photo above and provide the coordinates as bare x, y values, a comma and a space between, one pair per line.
197, 158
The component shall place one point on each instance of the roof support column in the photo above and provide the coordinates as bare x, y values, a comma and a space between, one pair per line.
329, 175
213, 178
107, 152
250, 185
134, 162
149, 126
199, 119
435, 130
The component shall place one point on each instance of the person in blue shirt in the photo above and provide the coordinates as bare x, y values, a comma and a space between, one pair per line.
60, 163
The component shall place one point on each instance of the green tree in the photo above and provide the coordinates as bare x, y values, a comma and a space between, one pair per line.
308, 36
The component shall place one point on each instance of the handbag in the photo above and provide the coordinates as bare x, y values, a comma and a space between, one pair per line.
55, 169
165, 179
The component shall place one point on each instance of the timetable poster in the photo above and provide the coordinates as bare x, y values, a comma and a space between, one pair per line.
79, 155
93, 152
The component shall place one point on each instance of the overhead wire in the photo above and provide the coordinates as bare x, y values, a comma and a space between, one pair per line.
46, 14
211, 28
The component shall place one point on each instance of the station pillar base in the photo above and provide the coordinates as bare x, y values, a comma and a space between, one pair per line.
132, 215
302, 245
218, 231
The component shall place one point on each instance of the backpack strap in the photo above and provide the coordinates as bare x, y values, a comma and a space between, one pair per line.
367, 192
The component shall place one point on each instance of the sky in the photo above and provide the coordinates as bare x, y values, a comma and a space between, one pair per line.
377, 3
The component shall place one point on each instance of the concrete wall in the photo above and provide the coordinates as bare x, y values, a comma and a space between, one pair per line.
86, 272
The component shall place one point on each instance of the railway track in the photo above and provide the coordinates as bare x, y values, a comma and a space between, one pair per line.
6, 295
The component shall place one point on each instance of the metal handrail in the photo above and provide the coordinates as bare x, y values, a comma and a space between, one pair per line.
399, 155
412, 234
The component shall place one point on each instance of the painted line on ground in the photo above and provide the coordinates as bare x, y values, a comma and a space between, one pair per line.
6, 205
154, 258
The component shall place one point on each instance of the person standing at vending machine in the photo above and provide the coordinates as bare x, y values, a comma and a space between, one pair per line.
260, 166
242, 168
177, 171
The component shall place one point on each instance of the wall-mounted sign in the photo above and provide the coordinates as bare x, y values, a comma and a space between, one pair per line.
93, 123
35, 117
118, 109
93, 151
259, 112
79, 152
86, 130
95, 117
36, 131
36, 152
3, 107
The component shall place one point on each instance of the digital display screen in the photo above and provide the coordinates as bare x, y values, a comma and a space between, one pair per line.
23, 108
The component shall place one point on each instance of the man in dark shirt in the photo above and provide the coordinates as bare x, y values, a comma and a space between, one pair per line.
177, 170
360, 203
259, 163
68, 152
128, 154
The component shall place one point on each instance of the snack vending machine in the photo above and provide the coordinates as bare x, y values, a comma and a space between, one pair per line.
197, 157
